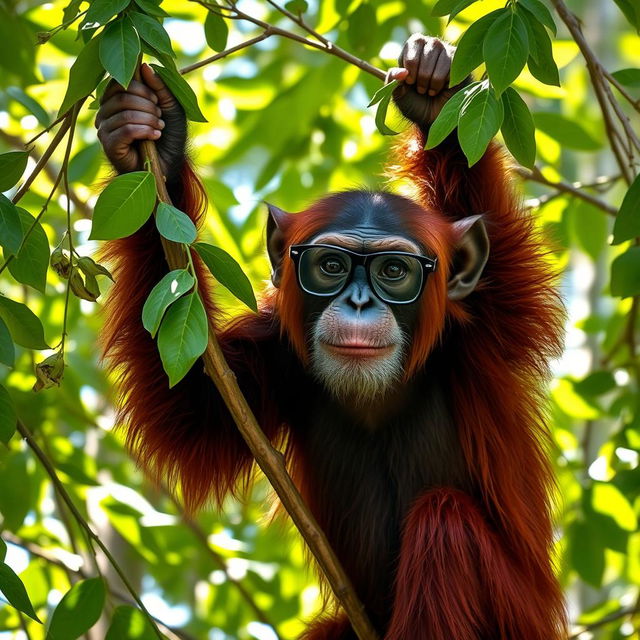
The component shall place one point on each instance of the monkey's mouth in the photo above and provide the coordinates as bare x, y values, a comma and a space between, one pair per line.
358, 349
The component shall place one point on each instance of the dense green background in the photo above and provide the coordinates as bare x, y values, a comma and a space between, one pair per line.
287, 124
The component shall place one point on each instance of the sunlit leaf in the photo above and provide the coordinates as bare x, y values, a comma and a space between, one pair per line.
625, 273
152, 8
383, 92
468, 55
447, 119
628, 77
119, 50
24, 326
447, 7
227, 272
480, 120
124, 206
627, 224
78, 610
10, 226
129, 623
505, 50
518, 128
13, 590
174, 224
30, 264
540, 62
30, 104
567, 132
7, 350
168, 290
8, 418
103, 10
541, 12
182, 91
151, 31
608, 500
182, 337
85, 74
381, 116
216, 31
12, 166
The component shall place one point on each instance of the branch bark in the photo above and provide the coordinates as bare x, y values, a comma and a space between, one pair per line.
270, 460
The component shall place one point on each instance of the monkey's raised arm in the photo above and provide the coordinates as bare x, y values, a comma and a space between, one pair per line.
185, 433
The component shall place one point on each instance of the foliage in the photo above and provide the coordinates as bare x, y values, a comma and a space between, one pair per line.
287, 122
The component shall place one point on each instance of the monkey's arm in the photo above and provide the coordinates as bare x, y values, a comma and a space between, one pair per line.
185, 433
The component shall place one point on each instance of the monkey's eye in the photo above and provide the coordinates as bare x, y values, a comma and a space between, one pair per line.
333, 266
393, 270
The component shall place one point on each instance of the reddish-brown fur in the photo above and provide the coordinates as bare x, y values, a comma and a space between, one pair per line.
472, 566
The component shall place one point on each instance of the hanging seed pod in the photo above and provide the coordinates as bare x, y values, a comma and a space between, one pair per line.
80, 290
49, 372
91, 268
60, 263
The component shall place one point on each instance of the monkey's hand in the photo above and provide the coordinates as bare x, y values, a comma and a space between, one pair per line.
423, 76
146, 110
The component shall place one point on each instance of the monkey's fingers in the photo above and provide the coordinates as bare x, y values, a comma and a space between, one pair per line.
166, 100
432, 51
121, 102
119, 146
411, 56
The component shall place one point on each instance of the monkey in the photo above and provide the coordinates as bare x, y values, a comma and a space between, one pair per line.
399, 359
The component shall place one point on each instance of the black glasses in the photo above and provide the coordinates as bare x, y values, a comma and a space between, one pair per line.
396, 277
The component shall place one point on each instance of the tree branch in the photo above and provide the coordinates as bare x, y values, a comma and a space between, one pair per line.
62, 492
612, 617
536, 175
270, 460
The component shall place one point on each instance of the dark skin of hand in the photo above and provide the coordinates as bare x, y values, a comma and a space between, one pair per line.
147, 110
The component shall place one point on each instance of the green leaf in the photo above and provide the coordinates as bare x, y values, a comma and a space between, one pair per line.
361, 31
542, 14
505, 50
12, 166
468, 55
540, 62
3, 550
103, 10
85, 165
227, 272
152, 32
182, 337
30, 104
628, 77
30, 264
216, 31
381, 116
383, 92
7, 350
8, 417
631, 12
10, 226
78, 611
183, 93
14, 591
167, 291
119, 50
15, 504
447, 7
596, 383
480, 120
152, 8
627, 224
608, 500
567, 132
447, 119
17, 46
586, 552
625, 274
124, 206
590, 227
174, 224
24, 326
297, 6
129, 623
84, 75
518, 128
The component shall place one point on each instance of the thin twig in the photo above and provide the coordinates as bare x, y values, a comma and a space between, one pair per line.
564, 187
227, 52
612, 617
49, 169
269, 459
59, 487
50, 557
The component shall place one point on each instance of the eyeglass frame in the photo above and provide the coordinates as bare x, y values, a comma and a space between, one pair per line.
361, 259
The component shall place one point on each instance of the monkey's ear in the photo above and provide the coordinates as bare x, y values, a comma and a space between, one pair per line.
277, 225
471, 253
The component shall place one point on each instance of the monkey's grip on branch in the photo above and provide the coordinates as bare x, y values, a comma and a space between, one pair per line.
268, 458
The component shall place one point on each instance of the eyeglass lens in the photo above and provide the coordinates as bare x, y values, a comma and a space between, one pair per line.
395, 278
